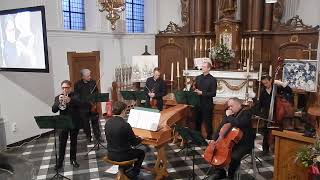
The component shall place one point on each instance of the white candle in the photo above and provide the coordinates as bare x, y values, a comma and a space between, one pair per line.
178, 73
252, 43
210, 44
164, 77
195, 48
205, 47
186, 63
241, 44
200, 45
171, 79
245, 44
260, 71
270, 70
249, 47
248, 66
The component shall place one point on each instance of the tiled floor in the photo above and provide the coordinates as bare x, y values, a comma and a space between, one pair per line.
41, 154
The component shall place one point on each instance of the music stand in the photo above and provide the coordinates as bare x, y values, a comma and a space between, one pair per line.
95, 98
55, 122
192, 139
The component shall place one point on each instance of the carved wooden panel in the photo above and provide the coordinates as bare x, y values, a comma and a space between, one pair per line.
286, 147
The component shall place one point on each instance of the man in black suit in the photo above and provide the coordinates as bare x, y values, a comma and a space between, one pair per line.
240, 118
155, 89
206, 87
121, 139
67, 104
84, 88
263, 105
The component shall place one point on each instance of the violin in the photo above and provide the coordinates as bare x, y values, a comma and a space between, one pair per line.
218, 153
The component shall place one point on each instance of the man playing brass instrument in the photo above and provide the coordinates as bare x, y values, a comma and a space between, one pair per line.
67, 104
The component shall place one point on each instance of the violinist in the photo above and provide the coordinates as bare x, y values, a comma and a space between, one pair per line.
155, 89
240, 118
84, 88
263, 105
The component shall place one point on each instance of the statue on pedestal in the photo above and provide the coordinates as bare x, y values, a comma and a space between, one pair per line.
227, 9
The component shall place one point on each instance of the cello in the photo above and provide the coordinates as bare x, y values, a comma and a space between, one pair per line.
218, 153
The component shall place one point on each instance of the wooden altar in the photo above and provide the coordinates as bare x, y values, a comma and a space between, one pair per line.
286, 146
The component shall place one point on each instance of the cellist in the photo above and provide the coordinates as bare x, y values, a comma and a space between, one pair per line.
238, 117
263, 105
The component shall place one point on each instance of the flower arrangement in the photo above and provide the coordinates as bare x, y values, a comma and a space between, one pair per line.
222, 53
309, 157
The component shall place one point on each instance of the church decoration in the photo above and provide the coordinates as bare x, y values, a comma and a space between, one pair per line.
142, 67
221, 53
296, 24
301, 74
113, 9
309, 157
171, 28
123, 74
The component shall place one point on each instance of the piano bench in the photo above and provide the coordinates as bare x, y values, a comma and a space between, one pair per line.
121, 174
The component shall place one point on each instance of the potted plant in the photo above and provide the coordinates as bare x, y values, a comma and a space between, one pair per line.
309, 157
221, 55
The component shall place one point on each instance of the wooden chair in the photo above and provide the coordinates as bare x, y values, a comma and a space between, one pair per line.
121, 174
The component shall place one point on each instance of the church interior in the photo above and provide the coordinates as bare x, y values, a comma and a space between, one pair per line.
204, 89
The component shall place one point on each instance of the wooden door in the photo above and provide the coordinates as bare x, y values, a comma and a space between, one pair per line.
87, 60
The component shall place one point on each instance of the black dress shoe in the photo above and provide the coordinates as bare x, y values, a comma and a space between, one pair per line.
74, 163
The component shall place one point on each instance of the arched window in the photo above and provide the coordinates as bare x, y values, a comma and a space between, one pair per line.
73, 14
135, 16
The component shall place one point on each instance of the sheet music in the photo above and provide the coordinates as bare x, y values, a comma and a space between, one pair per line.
143, 119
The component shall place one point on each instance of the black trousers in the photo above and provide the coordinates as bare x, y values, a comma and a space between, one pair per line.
204, 113
63, 138
265, 141
129, 155
87, 117
238, 152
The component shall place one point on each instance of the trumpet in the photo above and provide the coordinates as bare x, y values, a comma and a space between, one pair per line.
63, 101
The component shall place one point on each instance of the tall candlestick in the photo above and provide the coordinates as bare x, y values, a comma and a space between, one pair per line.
252, 43
164, 77
205, 47
171, 79
195, 47
186, 63
241, 44
245, 45
260, 71
178, 73
270, 71
248, 66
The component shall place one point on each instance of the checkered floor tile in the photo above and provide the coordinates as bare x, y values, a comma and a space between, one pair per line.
41, 154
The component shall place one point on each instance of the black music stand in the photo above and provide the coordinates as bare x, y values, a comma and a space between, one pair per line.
192, 138
55, 122
95, 98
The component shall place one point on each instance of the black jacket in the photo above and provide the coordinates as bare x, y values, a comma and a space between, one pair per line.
119, 135
263, 105
242, 120
158, 87
208, 85
71, 110
83, 91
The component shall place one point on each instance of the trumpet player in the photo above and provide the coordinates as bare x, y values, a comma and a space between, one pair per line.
67, 104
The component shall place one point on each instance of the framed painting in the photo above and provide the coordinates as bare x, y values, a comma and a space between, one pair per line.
301, 74
142, 67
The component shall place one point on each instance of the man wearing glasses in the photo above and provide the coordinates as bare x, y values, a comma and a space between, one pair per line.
67, 104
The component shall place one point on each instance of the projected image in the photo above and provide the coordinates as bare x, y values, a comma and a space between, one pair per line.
21, 40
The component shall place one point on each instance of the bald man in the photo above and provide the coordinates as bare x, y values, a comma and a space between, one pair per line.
84, 88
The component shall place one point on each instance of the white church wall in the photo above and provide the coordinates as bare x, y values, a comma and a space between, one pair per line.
28, 94
168, 10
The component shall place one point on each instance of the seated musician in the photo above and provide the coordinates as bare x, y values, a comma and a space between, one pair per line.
239, 118
263, 105
155, 89
121, 139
